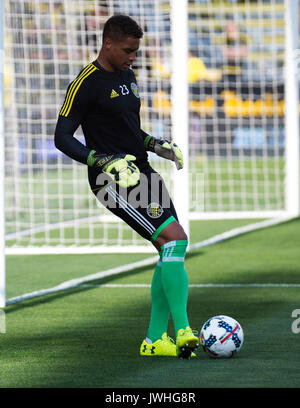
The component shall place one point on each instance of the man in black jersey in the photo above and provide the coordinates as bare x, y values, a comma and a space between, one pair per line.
104, 100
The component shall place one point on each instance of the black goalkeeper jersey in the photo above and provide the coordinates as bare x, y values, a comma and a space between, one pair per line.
107, 106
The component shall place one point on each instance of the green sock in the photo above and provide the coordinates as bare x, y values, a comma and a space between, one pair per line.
175, 281
160, 310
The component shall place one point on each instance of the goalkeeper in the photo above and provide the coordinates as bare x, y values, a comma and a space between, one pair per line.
104, 100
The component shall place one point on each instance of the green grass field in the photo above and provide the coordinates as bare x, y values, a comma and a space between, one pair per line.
90, 336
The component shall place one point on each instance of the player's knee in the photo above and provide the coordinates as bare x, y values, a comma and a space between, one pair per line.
172, 232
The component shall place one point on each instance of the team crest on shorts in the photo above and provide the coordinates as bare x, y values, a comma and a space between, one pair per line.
135, 89
154, 210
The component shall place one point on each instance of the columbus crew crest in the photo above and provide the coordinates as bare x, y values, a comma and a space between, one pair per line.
135, 89
154, 210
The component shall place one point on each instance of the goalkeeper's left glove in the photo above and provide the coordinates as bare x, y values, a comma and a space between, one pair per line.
166, 149
118, 166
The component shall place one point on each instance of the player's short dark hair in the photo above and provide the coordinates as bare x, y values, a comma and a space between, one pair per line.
119, 27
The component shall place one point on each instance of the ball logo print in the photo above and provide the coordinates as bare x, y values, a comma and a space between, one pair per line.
221, 336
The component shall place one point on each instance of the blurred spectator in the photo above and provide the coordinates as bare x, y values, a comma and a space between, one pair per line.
197, 70
234, 53
8, 83
160, 65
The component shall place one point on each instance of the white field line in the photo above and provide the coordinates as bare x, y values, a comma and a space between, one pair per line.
146, 262
239, 231
58, 225
196, 285
79, 281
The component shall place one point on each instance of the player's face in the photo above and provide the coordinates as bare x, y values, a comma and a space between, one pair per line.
122, 54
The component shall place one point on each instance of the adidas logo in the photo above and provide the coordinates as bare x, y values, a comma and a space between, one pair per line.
113, 94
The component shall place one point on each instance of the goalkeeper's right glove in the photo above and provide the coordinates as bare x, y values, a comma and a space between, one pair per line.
118, 166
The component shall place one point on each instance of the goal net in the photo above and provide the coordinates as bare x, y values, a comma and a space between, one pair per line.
236, 138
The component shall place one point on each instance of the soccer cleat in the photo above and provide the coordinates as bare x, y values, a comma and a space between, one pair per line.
161, 347
186, 342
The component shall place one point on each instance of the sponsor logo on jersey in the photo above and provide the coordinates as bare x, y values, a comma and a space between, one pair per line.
154, 210
113, 94
135, 89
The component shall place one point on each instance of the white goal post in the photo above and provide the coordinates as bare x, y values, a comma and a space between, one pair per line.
2, 166
180, 99
292, 106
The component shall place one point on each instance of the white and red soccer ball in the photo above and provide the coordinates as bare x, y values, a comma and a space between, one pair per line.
221, 336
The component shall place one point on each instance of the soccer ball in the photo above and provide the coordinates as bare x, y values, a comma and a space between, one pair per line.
221, 336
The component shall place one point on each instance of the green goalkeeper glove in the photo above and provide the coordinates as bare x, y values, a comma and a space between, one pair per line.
118, 166
166, 149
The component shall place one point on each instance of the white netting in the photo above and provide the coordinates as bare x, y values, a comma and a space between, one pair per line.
236, 107
46, 44
237, 103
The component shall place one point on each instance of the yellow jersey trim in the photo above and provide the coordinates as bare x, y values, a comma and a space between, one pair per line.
65, 110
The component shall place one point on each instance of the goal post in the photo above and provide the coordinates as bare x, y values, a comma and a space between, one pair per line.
292, 107
2, 165
179, 97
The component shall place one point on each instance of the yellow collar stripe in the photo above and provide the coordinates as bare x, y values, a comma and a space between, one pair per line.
74, 88
63, 109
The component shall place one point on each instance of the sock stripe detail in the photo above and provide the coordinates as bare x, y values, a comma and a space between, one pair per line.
169, 244
174, 251
168, 252
173, 259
